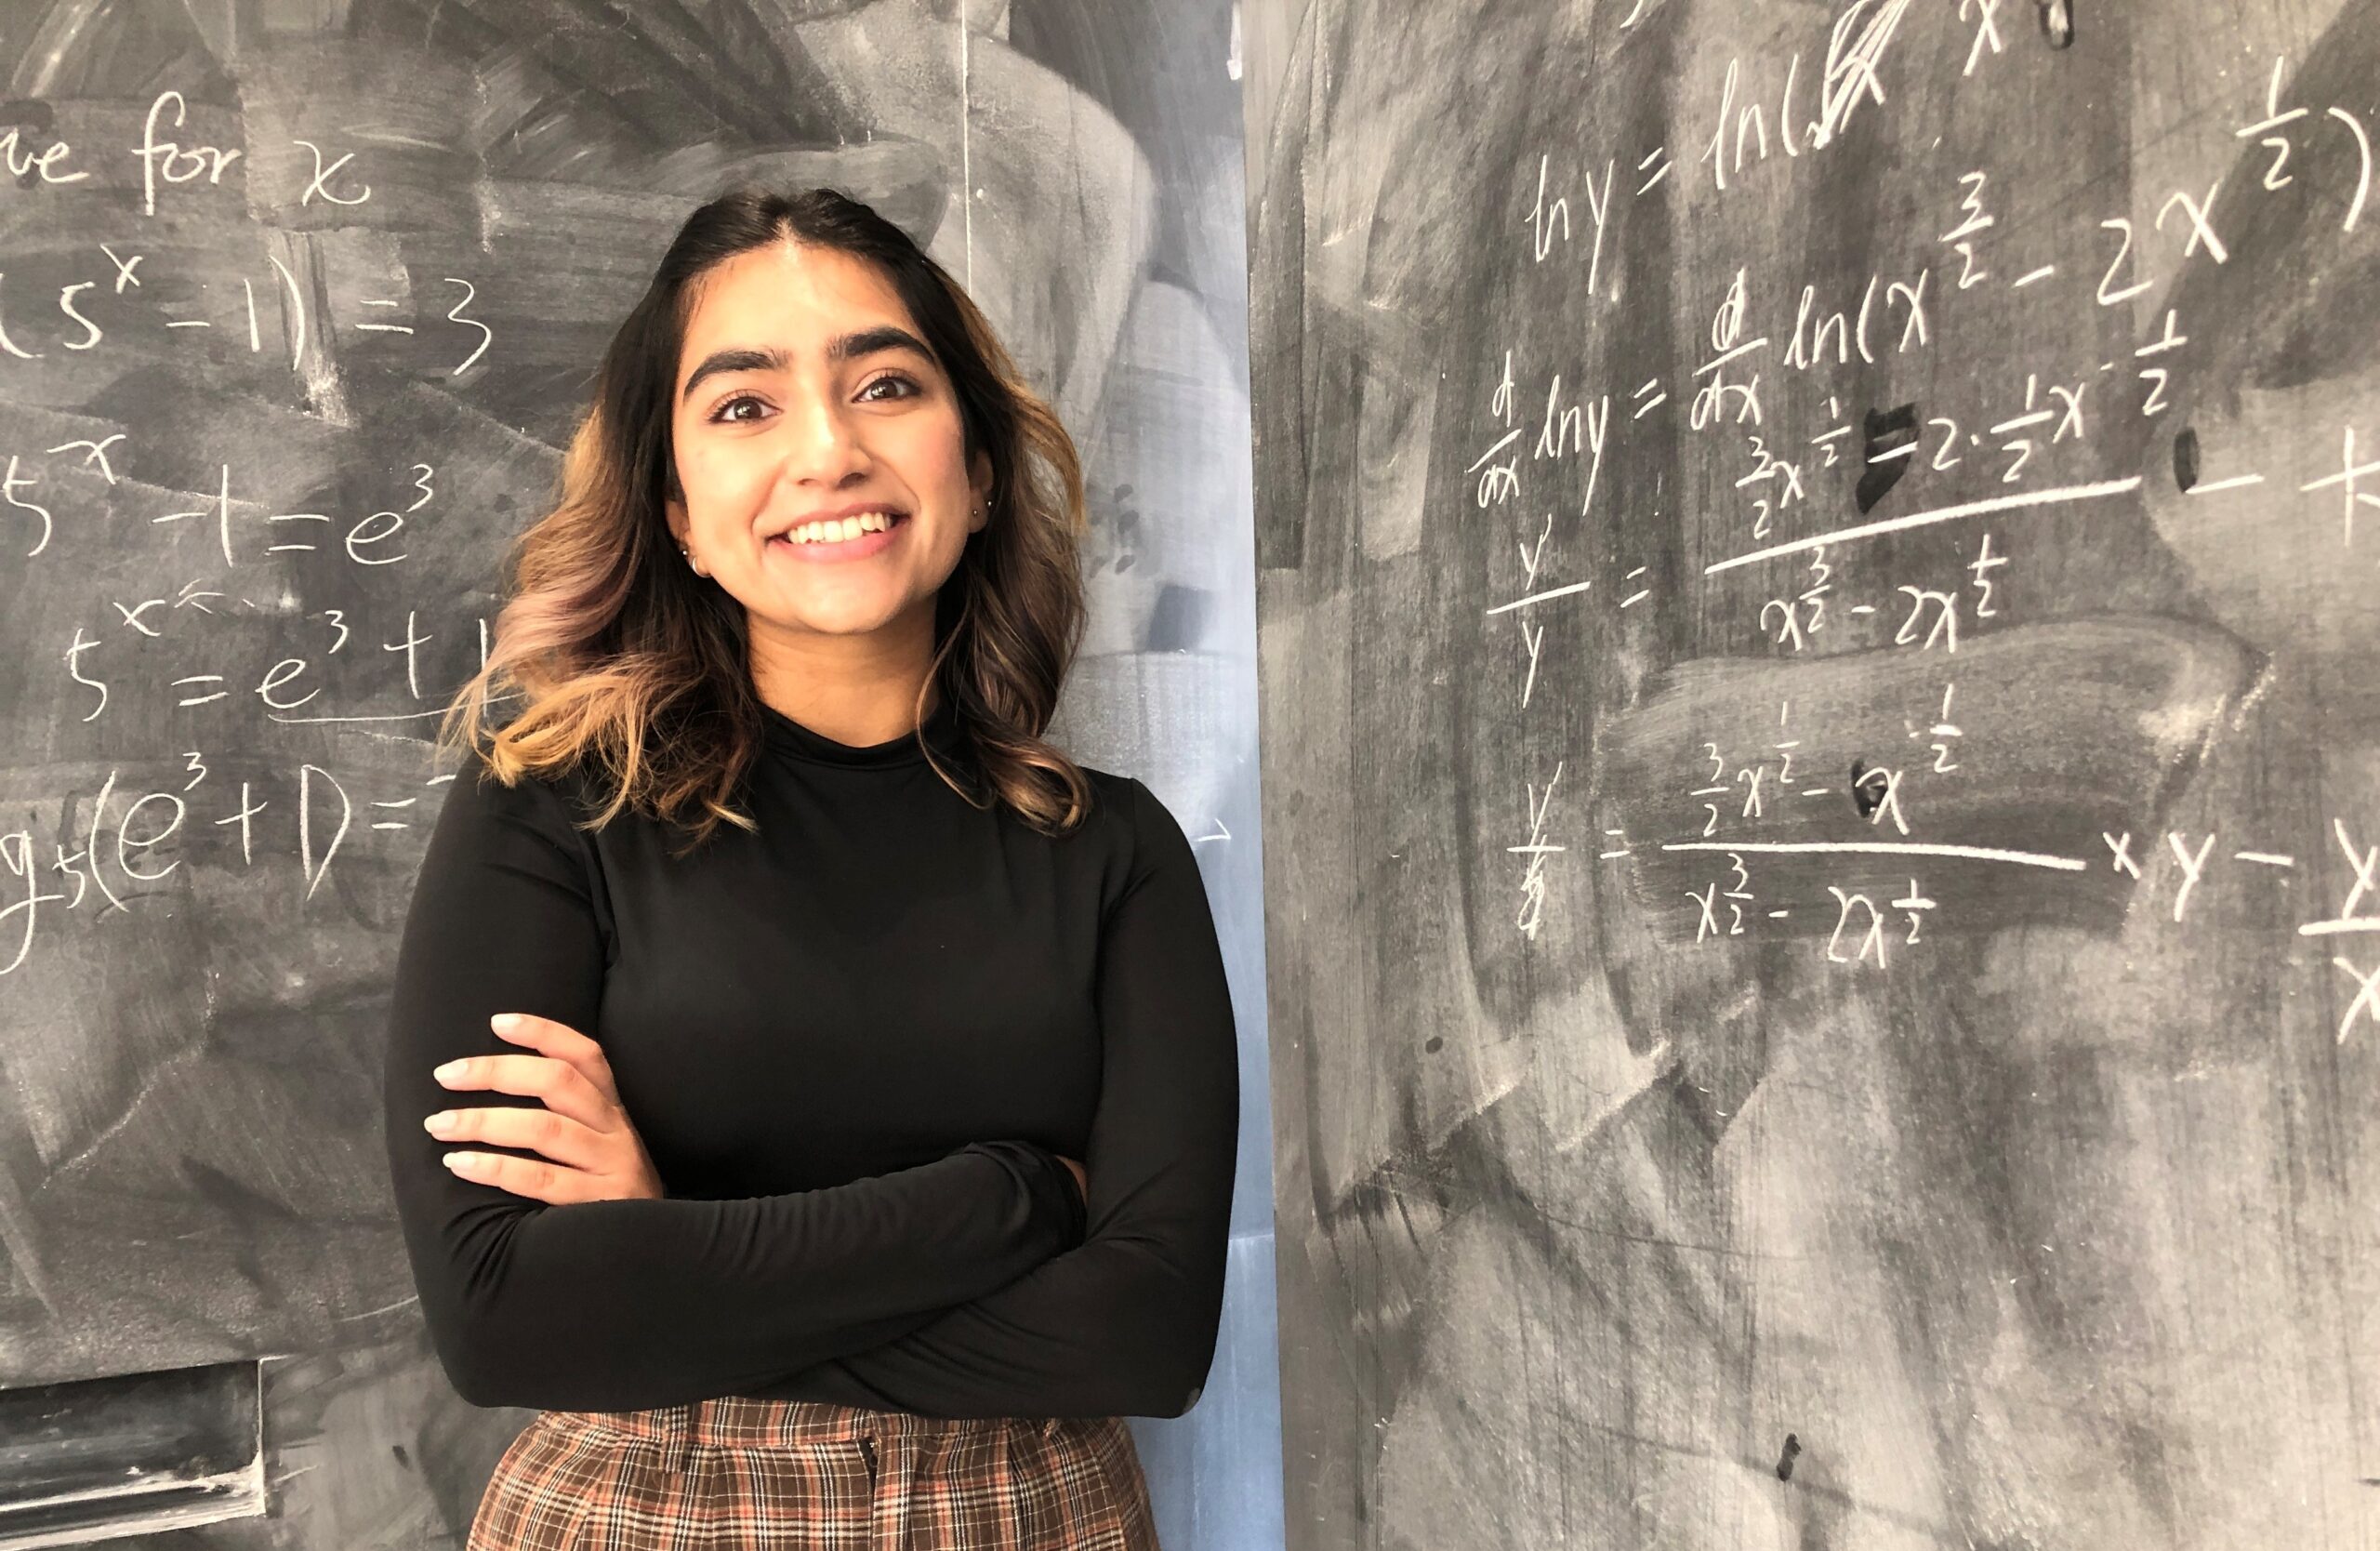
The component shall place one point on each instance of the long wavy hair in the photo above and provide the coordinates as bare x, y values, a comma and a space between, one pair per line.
635, 668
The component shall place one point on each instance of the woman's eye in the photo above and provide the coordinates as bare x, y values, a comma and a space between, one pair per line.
724, 413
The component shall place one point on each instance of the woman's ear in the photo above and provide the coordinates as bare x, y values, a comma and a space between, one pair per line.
979, 489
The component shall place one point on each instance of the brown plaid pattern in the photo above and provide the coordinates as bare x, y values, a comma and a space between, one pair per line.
738, 1471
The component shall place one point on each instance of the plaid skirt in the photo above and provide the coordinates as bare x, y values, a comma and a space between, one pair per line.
739, 1471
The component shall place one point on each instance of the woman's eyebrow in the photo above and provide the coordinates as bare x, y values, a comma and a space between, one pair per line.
842, 348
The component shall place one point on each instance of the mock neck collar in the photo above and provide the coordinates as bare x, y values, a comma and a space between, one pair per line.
789, 739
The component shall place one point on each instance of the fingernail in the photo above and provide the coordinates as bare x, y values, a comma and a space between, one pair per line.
503, 1022
464, 1162
450, 1070
440, 1123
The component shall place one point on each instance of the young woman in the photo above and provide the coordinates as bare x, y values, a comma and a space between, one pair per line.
768, 974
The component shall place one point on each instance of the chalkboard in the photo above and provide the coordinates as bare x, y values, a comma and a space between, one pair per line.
1819, 585
299, 304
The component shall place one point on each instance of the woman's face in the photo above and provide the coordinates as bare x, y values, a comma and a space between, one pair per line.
803, 390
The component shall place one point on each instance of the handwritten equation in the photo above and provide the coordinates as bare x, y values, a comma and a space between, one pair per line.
1880, 772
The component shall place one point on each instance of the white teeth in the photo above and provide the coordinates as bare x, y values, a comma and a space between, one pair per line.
833, 533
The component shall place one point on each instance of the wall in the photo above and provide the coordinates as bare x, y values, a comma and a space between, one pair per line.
1818, 595
277, 393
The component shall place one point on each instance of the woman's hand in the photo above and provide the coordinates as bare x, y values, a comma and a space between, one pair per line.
596, 1154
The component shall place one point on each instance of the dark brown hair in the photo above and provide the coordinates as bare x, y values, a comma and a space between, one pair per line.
635, 666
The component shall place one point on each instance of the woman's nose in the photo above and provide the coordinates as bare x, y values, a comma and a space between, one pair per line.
825, 443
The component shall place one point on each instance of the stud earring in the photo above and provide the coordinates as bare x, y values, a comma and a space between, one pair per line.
690, 560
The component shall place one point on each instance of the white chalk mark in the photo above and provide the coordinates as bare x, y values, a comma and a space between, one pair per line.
201, 678
2236, 481
1540, 597
308, 869
1912, 848
297, 310
2350, 472
2274, 118
1851, 73
1532, 558
2041, 273
2333, 928
1987, 30
2057, 496
1541, 218
2196, 211
1533, 878
2363, 184
2367, 999
1510, 437
91, 834
1598, 211
2192, 865
2264, 859
1719, 361
1598, 431
2120, 853
2366, 862
1873, 937
2171, 339
397, 716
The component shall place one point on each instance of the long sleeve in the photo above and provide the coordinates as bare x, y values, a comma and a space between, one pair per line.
627, 1305
1126, 1324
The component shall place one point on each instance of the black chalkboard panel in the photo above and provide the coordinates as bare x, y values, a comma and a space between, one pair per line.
1820, 580
299, 304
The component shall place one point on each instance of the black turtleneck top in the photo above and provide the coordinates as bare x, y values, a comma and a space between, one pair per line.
854, 1045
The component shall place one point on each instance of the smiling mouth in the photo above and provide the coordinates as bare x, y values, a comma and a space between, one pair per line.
829, 535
